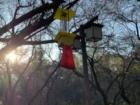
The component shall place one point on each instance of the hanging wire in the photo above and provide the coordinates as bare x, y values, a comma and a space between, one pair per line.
68, 19
63, 23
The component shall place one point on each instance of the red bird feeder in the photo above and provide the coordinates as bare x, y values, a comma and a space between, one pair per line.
67, 60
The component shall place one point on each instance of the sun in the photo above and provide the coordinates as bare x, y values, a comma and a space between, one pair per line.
11, 57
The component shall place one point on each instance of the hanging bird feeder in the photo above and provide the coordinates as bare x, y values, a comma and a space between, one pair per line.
65, 38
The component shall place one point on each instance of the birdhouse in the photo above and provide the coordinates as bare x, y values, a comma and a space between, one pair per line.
94, 33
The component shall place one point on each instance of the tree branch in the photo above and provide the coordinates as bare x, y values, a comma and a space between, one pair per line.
30, 14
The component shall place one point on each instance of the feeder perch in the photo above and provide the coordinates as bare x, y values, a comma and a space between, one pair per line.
76, 44
94, 33
64, 14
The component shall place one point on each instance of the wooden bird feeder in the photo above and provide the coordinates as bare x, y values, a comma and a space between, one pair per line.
94, 33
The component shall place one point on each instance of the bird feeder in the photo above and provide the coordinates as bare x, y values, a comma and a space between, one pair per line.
94, 33
64, 38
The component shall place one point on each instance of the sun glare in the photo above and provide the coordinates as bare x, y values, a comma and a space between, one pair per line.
11, 57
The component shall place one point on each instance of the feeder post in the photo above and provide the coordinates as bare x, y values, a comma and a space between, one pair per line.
85, 66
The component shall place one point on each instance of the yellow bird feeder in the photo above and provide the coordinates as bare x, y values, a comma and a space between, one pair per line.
65, 38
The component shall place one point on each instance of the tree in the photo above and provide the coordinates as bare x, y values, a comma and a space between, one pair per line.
110, 61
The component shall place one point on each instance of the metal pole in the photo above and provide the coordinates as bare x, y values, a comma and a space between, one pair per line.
85, 67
